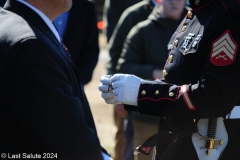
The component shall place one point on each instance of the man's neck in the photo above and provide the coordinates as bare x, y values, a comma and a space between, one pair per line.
44, 17
45, 8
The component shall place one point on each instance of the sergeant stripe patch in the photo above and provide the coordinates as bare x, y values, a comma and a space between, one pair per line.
185, 95
224, 50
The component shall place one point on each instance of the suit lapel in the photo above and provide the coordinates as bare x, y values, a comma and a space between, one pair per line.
37, 21
32, 17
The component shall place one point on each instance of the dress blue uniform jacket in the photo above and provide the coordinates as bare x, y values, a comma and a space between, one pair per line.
42, 104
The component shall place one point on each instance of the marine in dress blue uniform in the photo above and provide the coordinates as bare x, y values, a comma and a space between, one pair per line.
201, 81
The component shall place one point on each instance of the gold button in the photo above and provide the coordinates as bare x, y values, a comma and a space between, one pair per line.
164, 73
184, 28
221, 142
189, 14
170, 58
176, 43
157, 92
171, 94
143, 92
185, 51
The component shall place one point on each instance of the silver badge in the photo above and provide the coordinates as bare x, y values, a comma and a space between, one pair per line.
187, 40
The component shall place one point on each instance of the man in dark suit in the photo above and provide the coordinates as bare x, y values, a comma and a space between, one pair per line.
41, 99
79, 31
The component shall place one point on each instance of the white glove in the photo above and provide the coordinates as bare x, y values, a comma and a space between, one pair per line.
125, 88
106, 88
106, 79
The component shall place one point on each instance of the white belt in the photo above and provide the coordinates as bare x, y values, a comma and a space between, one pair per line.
200, 142
235, 113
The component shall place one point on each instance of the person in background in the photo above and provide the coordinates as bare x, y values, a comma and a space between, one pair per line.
79, 32
112, 11
42, 102
144, 53
198, 98
130, 17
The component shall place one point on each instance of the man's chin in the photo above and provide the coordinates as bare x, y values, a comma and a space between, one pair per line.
69, 6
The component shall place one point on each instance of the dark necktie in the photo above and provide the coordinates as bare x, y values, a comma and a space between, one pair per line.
63, 45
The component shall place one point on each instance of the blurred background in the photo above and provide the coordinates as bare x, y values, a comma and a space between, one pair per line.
99, 8
102, 112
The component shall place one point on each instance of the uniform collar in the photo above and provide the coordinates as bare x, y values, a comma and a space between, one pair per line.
197, 4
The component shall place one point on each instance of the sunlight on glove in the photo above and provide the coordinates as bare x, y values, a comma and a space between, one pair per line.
125, 88
106, 88
106, 79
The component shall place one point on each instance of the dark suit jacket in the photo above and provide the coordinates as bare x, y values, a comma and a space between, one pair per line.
2, 2
81, 38
41, 100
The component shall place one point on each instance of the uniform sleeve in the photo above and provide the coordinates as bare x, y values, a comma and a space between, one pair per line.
217, 90
133, 55
41, 95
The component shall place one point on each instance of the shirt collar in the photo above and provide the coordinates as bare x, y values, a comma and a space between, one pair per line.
45, 19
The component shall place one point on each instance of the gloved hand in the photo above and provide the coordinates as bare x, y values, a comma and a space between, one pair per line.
106, 79
106, 88
125, 88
